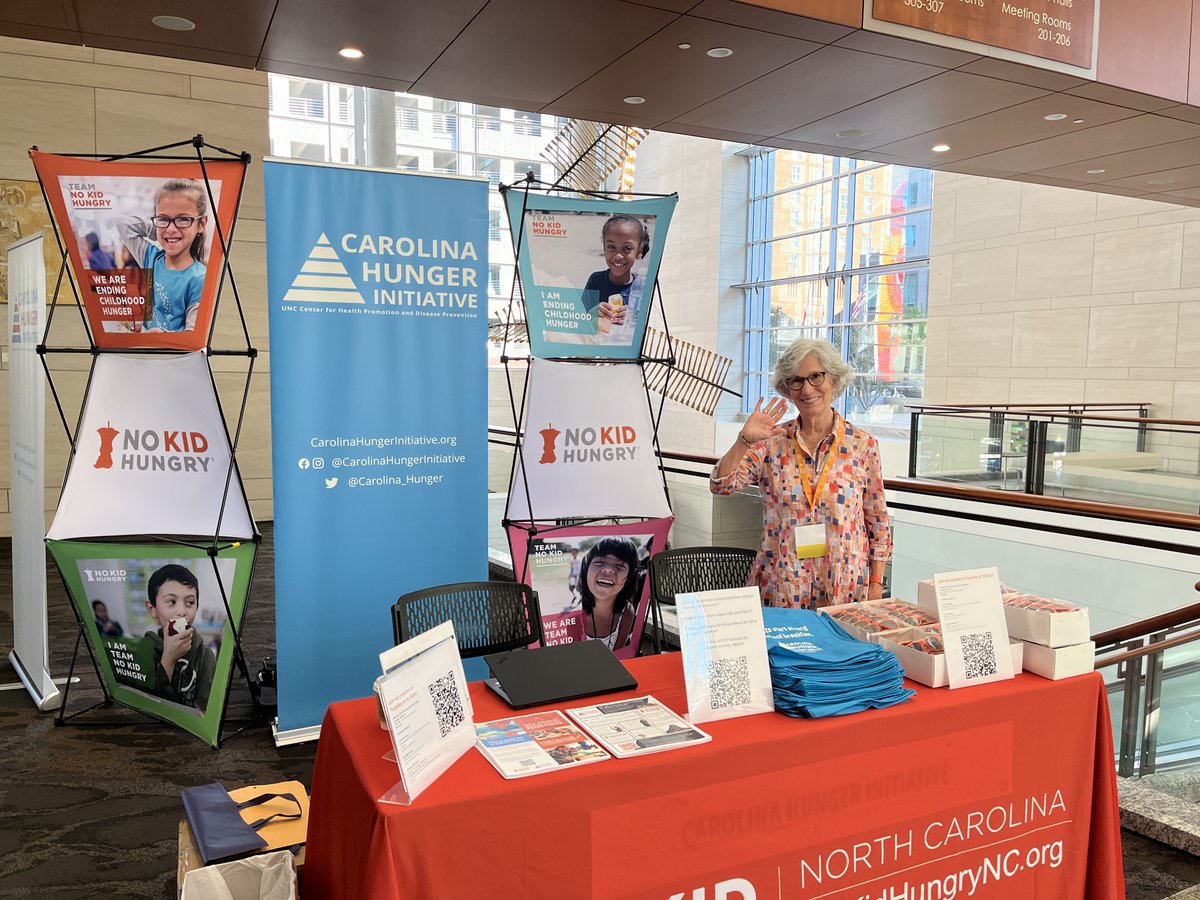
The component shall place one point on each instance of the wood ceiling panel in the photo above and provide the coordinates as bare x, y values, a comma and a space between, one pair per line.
825, 82
224, 28
1142, 162
1187, 113
1162, 181
1142, 131
1009, 127
932, 104
900, 48
1106, 93
841, 11
674, 81
400, 41
1011, 71
770, 21
56, 15
540, 49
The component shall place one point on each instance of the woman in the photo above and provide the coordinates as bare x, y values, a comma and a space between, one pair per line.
826, 537
608, 585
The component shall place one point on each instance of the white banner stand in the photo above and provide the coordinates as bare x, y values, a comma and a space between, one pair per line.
27, 439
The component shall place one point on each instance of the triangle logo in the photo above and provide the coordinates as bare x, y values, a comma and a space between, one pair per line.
323, 278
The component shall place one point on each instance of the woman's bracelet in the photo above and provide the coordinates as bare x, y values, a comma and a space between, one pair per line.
745, 440
875, 579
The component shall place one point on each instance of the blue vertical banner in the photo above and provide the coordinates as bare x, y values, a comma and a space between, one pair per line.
377, 285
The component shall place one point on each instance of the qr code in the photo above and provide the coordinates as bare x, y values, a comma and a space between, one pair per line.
447, 703
978, 654
729, 682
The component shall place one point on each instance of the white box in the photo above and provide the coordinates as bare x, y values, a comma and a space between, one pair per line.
871, 637
930, 668
1050, 629
1060, 662
927, 596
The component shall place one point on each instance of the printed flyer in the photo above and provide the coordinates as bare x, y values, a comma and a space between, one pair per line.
536, 743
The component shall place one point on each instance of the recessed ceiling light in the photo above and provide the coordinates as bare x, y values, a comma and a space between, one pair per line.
351, 53
1077, 121
1055, 117
940, 148
720, 52
174, 23
850, 133
1096, 171
1160, 181
685, 46
634, 101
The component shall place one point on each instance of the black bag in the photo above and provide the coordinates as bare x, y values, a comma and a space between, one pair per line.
217, 825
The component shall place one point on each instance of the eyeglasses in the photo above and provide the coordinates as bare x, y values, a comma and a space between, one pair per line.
177, 221
816, 379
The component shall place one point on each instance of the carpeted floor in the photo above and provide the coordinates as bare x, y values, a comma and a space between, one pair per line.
92, 810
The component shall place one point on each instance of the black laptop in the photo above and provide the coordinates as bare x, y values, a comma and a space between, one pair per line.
561, 672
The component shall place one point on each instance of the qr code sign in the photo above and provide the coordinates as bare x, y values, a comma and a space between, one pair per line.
978, 654
447, 704
729, 682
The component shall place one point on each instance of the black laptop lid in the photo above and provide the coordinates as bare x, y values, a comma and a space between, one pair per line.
561, 672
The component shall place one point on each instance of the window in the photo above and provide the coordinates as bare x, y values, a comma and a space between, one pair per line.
306, 98
489, 166
839, 250
494, 280
494, 224
406, 113
487, 117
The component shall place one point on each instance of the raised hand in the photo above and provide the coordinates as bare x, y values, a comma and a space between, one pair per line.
764, 421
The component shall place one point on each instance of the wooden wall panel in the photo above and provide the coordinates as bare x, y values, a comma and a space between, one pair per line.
1146, 47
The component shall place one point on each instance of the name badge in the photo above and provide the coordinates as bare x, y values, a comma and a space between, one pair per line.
810, 541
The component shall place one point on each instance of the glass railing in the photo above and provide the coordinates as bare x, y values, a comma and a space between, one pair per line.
1100, 453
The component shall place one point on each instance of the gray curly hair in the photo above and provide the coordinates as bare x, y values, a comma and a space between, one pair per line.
835, 367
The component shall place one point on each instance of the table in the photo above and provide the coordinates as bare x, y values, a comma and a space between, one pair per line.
1006, 787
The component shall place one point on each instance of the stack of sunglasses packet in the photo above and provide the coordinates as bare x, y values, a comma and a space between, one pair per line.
818, 669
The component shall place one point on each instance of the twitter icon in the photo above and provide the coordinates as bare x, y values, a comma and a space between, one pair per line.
331, 482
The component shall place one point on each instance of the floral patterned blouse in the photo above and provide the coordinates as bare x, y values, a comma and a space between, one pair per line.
852, 506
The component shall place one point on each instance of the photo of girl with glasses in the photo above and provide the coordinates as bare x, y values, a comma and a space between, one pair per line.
610, 581
826, 537
171, 246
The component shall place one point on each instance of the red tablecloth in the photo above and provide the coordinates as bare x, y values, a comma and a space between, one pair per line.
1000, 791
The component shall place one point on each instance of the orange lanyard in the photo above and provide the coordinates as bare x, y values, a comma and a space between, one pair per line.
811, 492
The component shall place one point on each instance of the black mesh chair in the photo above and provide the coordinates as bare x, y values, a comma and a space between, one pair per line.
691, 569
488, 616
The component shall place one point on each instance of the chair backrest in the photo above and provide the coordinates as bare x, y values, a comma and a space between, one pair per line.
488, 616
691, 569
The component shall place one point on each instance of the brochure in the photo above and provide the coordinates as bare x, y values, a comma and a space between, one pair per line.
536, 743
636, 727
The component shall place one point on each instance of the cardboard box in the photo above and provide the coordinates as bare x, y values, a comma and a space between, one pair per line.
1060, 662
189, 857
1050, 629
930, 668
871, 637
